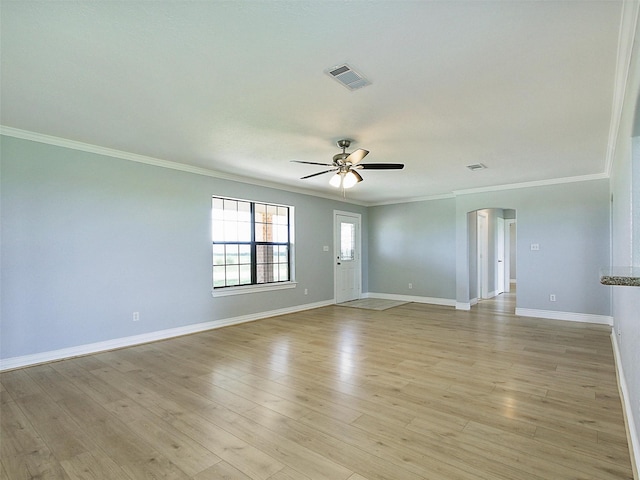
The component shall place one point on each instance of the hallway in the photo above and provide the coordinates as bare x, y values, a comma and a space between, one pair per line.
503, 303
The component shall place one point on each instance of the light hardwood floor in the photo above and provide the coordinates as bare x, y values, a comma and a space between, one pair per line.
413, 392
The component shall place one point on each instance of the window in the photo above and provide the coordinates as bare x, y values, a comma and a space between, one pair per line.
347, 241
251, 243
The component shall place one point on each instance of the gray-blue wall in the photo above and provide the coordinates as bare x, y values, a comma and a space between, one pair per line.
416, 242
89, 239
413, 243
570, 223
625, 248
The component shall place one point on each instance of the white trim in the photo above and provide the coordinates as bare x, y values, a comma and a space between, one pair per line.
411, 298
482, 262
507, 252
91, 348
624, 57
497, 188
463, 305
427, 198
634, 441
241, 290
134, 157
568, 316
537, 183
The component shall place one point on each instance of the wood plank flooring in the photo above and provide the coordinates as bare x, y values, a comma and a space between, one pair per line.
414, 392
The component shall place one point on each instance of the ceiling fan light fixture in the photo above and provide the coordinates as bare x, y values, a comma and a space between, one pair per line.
349, 180
345, 166
345, 180
336, 180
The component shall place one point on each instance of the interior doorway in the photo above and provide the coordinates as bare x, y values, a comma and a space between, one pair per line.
492, 258
503, 303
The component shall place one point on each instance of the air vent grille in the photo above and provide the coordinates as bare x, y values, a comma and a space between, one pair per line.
477, 166
347, 76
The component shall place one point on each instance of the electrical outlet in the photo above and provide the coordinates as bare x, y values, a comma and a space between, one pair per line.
136, 316
552, 297
535, 246
410, 286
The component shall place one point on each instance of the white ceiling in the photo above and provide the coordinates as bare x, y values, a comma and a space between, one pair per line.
525, 87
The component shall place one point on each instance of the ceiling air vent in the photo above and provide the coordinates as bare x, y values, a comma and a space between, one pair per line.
348, 77
477, 166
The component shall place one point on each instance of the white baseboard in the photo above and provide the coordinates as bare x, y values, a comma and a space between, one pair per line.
568, 316
88, 349
410, 298
632, 433
466, 305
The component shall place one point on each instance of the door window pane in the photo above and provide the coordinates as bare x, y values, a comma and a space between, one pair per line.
347, 241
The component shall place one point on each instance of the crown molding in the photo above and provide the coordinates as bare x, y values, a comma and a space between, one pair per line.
626, 38
134, 157
537, 183
428, 198
497, 188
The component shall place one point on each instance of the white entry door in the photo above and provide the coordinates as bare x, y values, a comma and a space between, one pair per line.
347, 256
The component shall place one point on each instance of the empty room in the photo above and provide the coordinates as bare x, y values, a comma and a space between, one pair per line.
299, 240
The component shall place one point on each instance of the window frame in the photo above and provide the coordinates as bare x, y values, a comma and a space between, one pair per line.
221, 291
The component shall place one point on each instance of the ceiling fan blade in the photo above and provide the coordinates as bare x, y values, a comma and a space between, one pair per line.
357, 175
356, 156
381, 166
313, 163
319, 173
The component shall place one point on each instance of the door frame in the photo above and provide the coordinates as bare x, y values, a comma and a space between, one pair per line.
336, 250
507, 253
483, 254
501, 253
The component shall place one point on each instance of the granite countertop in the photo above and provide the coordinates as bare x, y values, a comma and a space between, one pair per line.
620, 276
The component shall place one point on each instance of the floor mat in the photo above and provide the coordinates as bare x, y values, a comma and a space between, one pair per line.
372, 303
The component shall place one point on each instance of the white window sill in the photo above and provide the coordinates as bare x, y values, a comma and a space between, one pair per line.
268, 287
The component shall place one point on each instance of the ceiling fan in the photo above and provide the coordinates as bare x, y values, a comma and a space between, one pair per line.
346, 165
